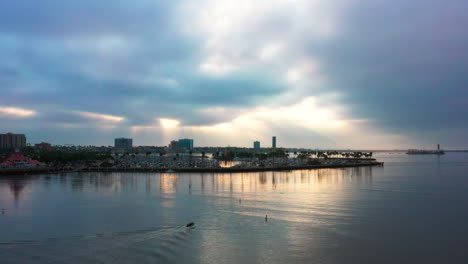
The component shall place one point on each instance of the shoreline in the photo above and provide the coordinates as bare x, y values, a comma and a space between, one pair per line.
30, 171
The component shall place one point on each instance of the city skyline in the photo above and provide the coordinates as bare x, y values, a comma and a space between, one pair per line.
317, 74
185, 144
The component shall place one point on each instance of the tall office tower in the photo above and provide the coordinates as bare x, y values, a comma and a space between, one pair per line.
256, 145
186, 143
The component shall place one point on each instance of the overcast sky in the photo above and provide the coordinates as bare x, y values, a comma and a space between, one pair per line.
318, 73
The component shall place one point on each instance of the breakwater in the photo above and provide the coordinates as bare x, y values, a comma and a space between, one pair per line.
280, 168
23, 171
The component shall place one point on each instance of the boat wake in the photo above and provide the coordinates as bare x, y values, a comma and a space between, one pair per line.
157, 245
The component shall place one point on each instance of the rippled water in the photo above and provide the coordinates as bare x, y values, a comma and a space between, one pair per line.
413, 210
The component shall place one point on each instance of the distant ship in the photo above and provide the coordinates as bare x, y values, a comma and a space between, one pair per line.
420, 151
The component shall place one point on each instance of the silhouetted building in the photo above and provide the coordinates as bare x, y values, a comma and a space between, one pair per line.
186, 143
11, 141
123, 143
174, 146
273, 142
43, 146
256, 145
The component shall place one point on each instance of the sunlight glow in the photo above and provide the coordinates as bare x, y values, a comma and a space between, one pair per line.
168, 123
100, 117
311, 122
271, 51
16, 111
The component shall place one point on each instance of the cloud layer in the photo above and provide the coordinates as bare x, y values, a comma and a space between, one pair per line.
374, 74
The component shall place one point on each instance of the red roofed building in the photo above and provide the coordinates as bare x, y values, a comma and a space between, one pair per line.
17, 160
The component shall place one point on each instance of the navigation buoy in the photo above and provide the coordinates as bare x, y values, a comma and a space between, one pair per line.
266, 218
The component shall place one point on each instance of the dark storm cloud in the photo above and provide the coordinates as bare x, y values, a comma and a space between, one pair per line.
55, 51
403, 64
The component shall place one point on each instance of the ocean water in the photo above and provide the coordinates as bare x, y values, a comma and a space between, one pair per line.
412, 210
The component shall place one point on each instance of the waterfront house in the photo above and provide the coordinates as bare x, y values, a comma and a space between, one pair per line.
18, 160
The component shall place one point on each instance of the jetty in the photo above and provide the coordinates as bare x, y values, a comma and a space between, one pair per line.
187, 168
438, 151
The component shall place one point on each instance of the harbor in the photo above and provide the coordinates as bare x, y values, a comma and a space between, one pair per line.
438, 151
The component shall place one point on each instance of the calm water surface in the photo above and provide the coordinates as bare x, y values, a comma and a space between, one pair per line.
413, 210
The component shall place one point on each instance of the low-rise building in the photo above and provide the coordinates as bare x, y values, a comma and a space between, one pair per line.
43, 147
17, 160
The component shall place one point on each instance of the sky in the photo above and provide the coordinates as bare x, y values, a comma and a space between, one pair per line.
317, 74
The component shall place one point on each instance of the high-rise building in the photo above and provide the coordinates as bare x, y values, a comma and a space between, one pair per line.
123, 143
273, 142
174, 146
186, 143
11, 141
256, 145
